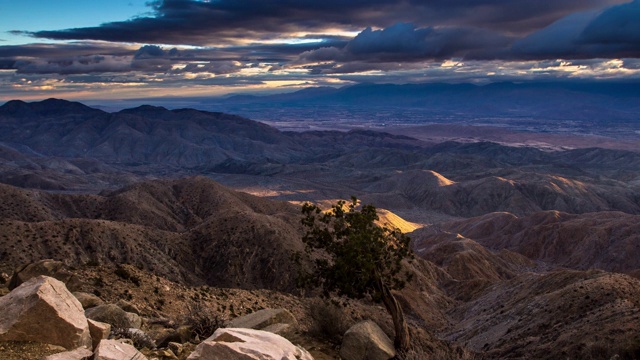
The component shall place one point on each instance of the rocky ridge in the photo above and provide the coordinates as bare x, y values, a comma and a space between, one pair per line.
460, 277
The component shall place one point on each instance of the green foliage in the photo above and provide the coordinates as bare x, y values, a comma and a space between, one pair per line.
353, 256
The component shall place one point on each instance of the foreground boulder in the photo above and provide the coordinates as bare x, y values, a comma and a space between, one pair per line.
366, 341
245, 344
277, 321
112, 314
43, 310
47, 267
115, 350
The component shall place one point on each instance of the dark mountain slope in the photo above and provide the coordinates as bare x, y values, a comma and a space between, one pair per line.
563, 314
190, 230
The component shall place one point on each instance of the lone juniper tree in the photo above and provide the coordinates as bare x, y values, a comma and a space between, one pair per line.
355, 257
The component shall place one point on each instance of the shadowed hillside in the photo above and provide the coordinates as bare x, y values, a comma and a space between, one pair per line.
191, 230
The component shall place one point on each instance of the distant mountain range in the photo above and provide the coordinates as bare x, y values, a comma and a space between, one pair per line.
591, 102
423, 94
155, 135
61, 145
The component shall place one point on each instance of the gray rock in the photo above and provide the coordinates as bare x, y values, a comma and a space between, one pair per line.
128, 307
114, 315
43, 310
47, 267
277, 321
366, 341
88, 300
281, 329
134, 320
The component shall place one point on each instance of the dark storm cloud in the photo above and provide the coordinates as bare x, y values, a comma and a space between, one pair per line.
54, 50
203, 23
7, 64
78, 58
614, 32
289, 40
618, 25
610, 33
511, 16
154, 51
405, 42
75, 58
75, 65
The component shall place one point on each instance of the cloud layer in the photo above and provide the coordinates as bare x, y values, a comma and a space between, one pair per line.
209, 23
287, 42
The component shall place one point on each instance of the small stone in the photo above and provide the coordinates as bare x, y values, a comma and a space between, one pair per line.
99, 331
175, 347
4, 278
164, 354
52, 347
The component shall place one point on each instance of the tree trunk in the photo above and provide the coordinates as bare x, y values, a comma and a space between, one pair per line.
402, 339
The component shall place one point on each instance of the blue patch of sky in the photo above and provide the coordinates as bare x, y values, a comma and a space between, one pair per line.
35, 15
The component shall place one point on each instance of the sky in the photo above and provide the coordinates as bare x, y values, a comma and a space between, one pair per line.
122, 49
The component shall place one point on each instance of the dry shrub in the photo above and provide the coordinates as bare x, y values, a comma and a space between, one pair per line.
330, 321
202, 320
